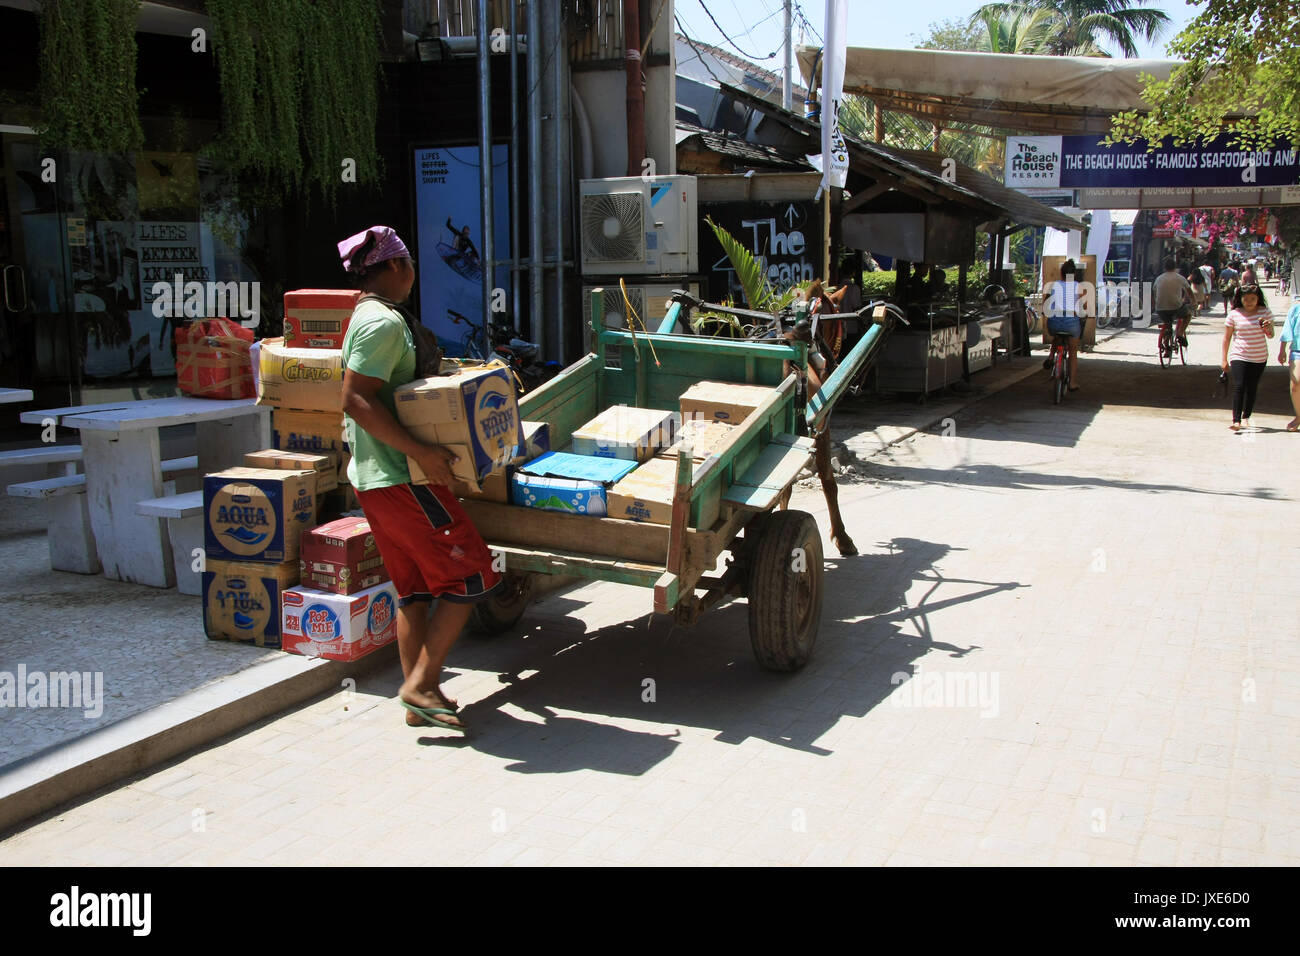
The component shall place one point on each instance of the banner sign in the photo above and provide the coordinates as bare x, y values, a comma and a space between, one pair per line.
835, 155
784, 236
1083, 162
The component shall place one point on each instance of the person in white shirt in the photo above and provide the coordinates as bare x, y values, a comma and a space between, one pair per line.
1063, 310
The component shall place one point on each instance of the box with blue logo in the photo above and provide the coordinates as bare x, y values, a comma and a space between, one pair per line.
472, 411
241, 600
573, 484
257, 514
338, 627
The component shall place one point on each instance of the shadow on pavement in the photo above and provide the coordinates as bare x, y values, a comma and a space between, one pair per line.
551, 672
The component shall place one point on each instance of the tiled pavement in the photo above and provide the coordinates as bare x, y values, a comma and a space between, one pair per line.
1094, 604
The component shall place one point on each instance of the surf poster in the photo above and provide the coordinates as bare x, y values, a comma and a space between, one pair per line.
449, 216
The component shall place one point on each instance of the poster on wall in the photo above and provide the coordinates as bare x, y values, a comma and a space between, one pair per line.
785, 235
167, 250
448, 209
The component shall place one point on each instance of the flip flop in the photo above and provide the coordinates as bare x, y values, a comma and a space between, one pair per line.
430, 714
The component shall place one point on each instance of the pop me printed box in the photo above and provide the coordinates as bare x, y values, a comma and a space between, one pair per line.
339, 627
257, 514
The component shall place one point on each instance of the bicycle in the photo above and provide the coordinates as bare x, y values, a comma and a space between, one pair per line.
1059, 362
1168, 344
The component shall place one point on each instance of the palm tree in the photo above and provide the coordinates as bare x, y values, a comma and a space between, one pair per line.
1013, 28
1076, 27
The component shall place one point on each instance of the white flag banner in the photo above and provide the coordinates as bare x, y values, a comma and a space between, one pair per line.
835, 166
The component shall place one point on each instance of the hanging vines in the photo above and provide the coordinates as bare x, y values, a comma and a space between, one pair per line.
88, 95
299, 88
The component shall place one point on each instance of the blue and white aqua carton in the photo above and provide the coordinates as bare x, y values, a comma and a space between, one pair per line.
241, 600
573, 484
339, 627
257, 514
472, 412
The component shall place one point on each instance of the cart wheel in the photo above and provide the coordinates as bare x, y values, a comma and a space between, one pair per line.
503, 610
785, 590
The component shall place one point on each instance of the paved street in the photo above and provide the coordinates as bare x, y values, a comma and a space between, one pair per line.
1070, 638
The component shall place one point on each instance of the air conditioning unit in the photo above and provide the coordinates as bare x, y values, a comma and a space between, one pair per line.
650, 302
635, 226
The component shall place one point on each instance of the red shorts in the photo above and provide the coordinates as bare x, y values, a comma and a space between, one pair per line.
430, 547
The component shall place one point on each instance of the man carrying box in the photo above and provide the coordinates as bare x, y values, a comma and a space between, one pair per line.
429, 545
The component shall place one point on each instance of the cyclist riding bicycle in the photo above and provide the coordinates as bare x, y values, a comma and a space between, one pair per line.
1063, 311
1173, 297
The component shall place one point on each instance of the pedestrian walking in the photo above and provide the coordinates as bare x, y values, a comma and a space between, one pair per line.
430, 547
1288, 353
1247, 330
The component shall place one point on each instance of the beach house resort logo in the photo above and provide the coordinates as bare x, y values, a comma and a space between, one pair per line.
1033, 161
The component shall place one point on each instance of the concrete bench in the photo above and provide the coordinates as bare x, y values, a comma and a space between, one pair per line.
184, 515
59, 459
71, 540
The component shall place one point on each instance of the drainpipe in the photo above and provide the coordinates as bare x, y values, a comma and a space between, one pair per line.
488, 250
635, 95
535, 251
514, 167
562, 178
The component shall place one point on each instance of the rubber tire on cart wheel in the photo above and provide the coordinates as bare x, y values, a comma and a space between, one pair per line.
785, 606
503, 610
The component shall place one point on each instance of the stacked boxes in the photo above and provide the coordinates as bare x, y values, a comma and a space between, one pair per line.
253, 521
342, 557
472, 412
322, 465
704, 437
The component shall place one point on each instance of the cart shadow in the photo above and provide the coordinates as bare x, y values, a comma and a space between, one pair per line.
572, 700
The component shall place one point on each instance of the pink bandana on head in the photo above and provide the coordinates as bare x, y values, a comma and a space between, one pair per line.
387, 246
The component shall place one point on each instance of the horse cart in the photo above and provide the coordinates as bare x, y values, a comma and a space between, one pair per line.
723, 505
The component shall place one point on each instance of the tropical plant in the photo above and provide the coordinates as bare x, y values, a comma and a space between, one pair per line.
87, 87
1013, 29
1241, 71
750, 273
1079, 27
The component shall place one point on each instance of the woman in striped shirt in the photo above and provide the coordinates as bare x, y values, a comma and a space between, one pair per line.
1247, 330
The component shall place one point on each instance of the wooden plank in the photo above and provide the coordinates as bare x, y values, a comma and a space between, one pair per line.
823, 402
180, 410
10, 395
501, 524
40, 455
176, 466
779, 464
49, 487
173, 506
680, 516
668, 591
121, 470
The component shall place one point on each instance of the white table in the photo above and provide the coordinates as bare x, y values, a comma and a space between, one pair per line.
122, 459
8, 395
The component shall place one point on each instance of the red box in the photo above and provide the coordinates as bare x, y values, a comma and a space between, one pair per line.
341, 557
318, 318
212, 359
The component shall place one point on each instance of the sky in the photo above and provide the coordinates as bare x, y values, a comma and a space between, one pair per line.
871, 23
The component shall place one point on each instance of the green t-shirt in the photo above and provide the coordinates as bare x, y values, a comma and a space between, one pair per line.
379, 345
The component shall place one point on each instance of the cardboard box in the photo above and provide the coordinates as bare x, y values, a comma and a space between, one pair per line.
257, 514
622, 431
325, 468
341, 557
645, 494
495, 487
473, 412
314, 433
537, 439
573, 484
307, 379
339, 627
705, 437
241, 600
722, 401
318, 318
